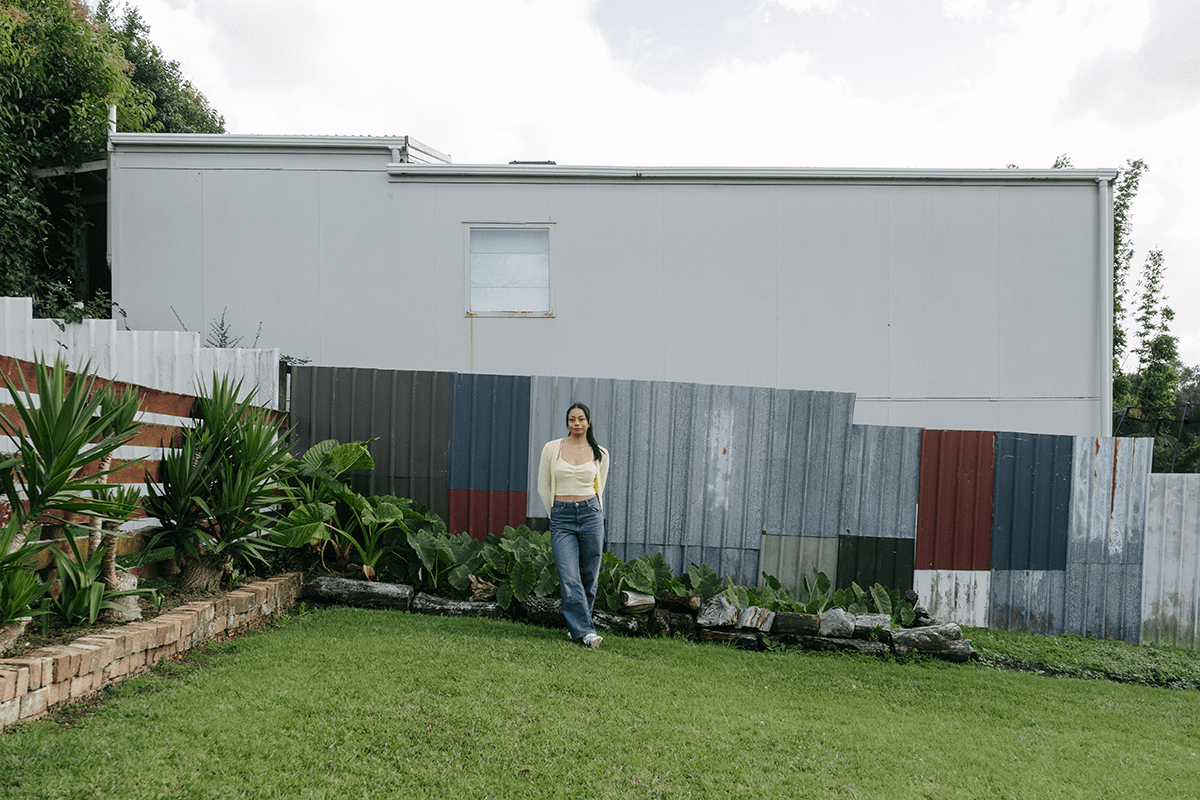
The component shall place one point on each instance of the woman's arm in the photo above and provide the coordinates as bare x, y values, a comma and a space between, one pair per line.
602, 475
545, 483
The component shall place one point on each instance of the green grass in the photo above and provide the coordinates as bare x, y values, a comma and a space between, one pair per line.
1075, 656
353, 703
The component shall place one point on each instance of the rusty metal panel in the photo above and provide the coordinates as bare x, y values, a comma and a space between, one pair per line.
791, 559
867, 560
1032, 499
954, 595
1105, 540
1171, 567
954, 520
1027, 600
700, 471
408, 411
480, 512
882, 477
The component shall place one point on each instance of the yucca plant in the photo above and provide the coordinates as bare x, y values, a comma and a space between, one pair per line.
72, 424
20, 586
217, 488
83, 594
124, 501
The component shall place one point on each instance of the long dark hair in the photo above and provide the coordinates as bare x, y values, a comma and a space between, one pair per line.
591, 437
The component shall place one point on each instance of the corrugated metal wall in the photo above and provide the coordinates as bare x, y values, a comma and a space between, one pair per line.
1171, 567
954, 524
881, 482
408, 411
489, 453
700, 472
1031, 501
1022, 532
1105, 541
1029, 532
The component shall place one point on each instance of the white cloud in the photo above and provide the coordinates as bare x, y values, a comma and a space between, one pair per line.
494, 80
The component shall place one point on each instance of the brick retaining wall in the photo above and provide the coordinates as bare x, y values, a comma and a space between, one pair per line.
42, 679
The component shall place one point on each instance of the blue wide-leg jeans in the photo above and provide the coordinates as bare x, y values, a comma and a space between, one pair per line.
577, 536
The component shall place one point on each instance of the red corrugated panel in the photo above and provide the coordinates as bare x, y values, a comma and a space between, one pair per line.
480, 512
954, 517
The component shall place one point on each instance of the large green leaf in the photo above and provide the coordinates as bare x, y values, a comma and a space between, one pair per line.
883, 603
306, 524
547, 583
523, 577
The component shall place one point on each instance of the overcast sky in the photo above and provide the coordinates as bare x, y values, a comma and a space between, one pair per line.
809, 83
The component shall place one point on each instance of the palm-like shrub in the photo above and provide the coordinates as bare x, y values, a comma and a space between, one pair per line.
218, 487
73, 423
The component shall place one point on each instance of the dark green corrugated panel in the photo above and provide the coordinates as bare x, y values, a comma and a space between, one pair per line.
1031, 508
867, 560
408, 411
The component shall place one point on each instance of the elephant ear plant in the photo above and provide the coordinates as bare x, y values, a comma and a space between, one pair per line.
217, 488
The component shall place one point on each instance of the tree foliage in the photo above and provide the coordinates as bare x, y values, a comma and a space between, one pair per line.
179, 107
60, 68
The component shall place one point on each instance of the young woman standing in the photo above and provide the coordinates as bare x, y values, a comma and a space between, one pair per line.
571, 477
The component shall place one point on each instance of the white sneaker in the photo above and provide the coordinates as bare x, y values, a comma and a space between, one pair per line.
592, 640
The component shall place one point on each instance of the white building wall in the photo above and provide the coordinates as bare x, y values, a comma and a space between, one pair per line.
968, 300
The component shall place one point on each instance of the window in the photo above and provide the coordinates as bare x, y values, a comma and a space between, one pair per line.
509, 269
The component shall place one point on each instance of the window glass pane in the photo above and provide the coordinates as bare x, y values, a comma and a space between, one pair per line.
510, 270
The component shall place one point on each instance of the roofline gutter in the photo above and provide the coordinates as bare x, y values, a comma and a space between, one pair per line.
536, 172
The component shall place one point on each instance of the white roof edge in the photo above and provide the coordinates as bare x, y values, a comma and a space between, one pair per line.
271, 142
501, 171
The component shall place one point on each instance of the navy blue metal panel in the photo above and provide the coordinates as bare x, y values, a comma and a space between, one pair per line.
867, 560
489, 433
881, 483
1031, 508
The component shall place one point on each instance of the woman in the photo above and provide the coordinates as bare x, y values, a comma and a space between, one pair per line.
571, 480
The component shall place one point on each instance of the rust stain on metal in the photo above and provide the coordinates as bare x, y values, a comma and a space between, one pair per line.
1112, 495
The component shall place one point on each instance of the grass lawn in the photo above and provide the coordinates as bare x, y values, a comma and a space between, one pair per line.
349, 703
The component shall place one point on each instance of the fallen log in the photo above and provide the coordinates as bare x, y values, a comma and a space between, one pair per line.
367, 594
440, 606
925, 638
866, 646
717, 612
790, 623
481, 590
686, 604
636, 603
669, 623
628, 624
544, 611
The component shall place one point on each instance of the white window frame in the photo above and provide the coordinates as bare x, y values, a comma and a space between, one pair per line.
541, 314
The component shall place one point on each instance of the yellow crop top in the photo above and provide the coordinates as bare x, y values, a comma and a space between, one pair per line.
575, 479
548, 484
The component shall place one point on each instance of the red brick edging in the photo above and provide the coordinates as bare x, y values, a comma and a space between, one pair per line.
34, 683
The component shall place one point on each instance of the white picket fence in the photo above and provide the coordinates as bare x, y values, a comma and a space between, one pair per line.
173, 361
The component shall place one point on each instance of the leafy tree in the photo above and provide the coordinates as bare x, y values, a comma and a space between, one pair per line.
1124, 191
60, 68
1155, 382
178, 106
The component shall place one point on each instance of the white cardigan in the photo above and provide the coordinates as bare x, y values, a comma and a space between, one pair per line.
546, 481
